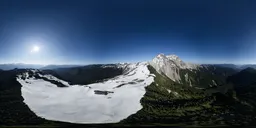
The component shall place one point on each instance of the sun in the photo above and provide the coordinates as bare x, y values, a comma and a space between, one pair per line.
35, 49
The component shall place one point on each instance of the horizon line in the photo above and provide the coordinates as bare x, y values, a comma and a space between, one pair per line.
80, 64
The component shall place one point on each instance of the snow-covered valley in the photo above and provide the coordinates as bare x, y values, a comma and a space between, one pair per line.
105, 102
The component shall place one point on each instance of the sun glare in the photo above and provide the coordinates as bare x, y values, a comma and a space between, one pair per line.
35, 49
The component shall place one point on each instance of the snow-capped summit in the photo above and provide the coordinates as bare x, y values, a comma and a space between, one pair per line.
170, 65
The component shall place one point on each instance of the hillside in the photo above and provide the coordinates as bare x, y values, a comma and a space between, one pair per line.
169, 102
244, 78
86, 74
245, 86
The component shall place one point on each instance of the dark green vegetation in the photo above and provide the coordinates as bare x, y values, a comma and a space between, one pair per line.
166, 103
57, 83
86, 74
12, 109
207, 76
245, 86
244, 78
186, 105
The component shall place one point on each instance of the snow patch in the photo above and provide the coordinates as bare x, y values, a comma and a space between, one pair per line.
176, 94
214, 83
186, 77
173, 92
190, 84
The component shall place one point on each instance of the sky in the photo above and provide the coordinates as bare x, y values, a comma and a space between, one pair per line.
112, 31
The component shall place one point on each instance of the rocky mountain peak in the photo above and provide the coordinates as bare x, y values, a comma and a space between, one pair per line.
160, 55
170, 65
173, 57
177, 61
172, 60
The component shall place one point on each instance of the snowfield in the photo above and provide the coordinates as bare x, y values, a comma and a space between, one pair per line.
107, 102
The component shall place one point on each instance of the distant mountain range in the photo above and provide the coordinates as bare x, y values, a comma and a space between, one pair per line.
239, 67
181, 64
245, 77
33, 66
59, 66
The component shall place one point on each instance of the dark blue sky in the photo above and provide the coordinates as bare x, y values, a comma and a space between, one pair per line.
107, 31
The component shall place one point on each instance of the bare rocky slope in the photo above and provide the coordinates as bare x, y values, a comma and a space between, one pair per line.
198, 76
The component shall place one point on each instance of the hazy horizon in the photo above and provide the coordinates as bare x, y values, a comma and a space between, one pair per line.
70, 63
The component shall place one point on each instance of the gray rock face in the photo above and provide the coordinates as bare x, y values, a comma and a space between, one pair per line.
169, 65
